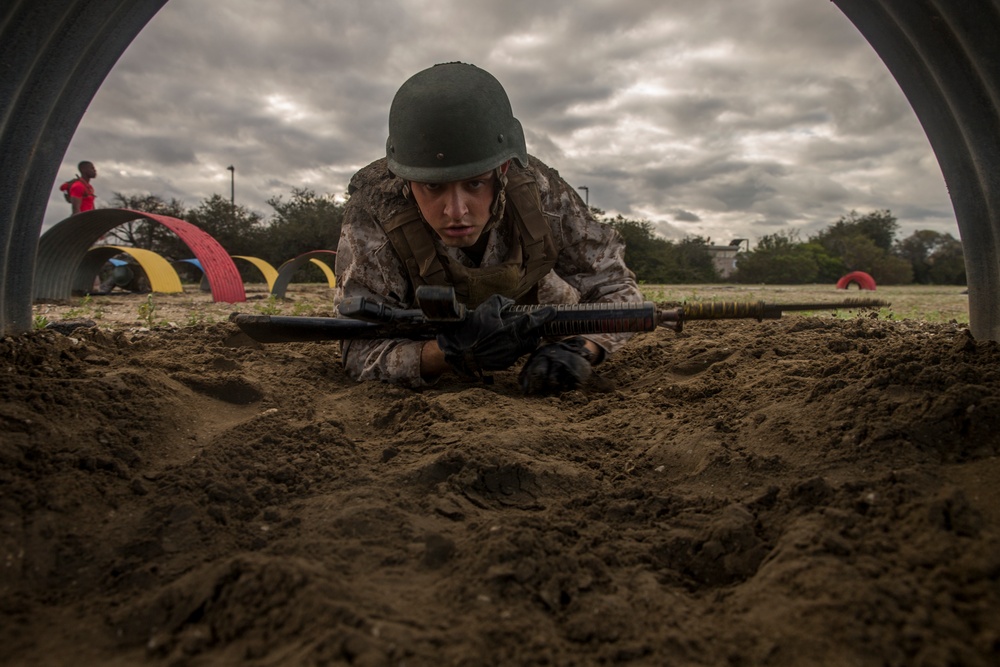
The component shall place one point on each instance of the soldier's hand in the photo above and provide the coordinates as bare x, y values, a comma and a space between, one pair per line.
490, 340
557, 367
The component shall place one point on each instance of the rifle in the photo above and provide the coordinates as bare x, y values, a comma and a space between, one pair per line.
363, 318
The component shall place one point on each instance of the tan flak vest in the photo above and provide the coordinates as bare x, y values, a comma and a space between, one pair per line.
532, 253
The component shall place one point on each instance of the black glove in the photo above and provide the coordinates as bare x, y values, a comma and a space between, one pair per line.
490, 340
557, 367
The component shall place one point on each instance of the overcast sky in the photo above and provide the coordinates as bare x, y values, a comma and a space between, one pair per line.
714, 118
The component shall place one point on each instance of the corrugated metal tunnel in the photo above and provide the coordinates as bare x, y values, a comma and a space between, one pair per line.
55, 54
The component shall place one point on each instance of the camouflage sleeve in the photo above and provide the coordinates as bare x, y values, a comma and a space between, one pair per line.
592, 254
367, 266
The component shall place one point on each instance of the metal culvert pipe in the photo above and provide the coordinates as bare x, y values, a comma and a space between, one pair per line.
54, 55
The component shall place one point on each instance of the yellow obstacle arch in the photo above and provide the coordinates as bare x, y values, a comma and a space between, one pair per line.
162, 276
269, 272
327, 271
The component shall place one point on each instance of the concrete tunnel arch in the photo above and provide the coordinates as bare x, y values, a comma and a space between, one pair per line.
56, 53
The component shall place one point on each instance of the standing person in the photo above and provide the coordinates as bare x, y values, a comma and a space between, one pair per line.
81, 192
458, 201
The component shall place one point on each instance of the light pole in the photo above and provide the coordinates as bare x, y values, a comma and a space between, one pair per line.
232, 186
586, 193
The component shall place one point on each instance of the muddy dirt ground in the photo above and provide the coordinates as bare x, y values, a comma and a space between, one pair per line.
806, 491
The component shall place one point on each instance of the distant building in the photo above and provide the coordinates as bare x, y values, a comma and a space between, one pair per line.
724, 256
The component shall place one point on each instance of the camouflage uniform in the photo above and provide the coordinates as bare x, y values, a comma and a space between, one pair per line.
590, 267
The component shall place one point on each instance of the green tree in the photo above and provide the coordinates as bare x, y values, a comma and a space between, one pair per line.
778, 259
656, 260
893, 271
934, 257
859, 253
304, 222
879, 226
645, 253
916, 249
830, 268
688, 261
143, 233
237, 229
863, 243
948, 263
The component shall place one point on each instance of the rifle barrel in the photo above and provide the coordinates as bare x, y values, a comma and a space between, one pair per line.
759, 310
570, 320
294, 329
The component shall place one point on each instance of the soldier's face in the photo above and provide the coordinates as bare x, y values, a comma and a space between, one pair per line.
458, 211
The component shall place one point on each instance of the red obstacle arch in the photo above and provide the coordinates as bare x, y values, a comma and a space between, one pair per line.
62, 248
859, 278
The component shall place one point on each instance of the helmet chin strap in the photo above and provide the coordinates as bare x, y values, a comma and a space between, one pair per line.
500, 199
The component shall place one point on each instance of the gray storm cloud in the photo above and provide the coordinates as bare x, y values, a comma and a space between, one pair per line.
721, 119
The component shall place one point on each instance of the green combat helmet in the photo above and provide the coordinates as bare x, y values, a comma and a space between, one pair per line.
451, 122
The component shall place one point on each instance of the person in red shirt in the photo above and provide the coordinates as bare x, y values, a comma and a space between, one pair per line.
81, 192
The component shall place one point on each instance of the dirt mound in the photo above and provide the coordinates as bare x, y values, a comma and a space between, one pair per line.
805, 491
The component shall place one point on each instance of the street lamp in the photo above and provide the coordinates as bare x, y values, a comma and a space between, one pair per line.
586, 192
232, 186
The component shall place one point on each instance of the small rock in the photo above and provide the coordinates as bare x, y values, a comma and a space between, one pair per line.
66, 327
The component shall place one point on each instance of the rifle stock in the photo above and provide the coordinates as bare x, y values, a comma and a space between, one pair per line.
369, 320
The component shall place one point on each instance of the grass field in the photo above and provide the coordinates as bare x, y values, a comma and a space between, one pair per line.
931, 303
914, 302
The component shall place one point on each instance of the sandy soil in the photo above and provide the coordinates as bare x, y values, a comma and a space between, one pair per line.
807, 491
